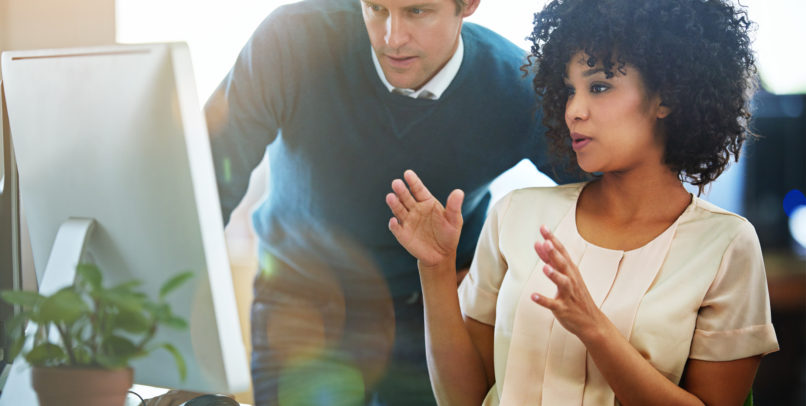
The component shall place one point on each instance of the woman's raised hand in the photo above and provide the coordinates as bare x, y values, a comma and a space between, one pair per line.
573, 305
426, 229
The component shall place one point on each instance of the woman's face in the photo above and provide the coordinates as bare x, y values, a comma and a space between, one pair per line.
613, 122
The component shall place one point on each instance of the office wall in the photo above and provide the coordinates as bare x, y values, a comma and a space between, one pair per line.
3, 24
28, 24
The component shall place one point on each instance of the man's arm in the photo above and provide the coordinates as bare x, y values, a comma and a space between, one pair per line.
245, 113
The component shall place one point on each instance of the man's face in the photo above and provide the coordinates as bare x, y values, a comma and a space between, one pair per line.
413, 39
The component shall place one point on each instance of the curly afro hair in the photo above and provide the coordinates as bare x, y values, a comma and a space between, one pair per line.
695, 54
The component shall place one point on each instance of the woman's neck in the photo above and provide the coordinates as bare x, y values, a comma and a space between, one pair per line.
626, 210
644, 195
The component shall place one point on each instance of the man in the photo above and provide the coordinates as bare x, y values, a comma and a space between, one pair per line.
344, 96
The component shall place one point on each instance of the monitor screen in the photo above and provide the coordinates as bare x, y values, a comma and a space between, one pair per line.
116, 134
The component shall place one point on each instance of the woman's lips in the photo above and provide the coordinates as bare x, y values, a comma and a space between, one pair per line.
579, 141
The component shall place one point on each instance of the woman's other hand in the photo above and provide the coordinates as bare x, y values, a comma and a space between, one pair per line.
573, 305
426, 229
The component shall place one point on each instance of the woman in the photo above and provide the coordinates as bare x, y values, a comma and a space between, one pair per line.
625, 289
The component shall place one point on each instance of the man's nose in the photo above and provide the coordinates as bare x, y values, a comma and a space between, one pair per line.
397, 32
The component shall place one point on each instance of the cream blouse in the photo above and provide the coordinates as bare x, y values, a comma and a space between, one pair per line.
698, 290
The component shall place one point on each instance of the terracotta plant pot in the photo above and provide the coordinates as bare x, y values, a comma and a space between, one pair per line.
81, 387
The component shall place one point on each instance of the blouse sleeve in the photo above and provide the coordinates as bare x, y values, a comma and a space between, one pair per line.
734, 318
478, 292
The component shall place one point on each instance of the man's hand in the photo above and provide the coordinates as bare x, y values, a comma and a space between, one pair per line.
426, 229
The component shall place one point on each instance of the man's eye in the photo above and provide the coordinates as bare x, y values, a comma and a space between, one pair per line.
374, 7
417, 11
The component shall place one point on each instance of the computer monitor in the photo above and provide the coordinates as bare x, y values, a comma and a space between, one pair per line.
114, 137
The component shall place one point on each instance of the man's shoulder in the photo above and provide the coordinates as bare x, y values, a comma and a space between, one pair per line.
496, 59
309, 27
304, 14
489, 43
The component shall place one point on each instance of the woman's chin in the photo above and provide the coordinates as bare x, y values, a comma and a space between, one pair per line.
589, 167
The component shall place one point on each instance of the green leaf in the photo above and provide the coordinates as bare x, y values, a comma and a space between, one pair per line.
46, 354
83, 357
175, 282
15, 348
160, 311
126, 301
90, 274
117, 351
180, 361
119, 347
65, 306
15, 329
175, 322
126, 287
22, 298
749, 400
132, 322
16, 325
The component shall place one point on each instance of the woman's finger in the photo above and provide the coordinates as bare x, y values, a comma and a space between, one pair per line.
547, 252
547, 234
403, 194
563, 282
453, 207
417, 186
547, 302
396, 229
559, 260
397, 207
541, 251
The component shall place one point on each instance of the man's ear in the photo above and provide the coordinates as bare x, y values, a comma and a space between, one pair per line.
470, 7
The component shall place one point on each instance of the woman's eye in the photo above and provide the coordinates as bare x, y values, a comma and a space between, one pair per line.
598, 88
569, 91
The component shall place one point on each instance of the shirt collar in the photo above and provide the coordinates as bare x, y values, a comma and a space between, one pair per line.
434, 88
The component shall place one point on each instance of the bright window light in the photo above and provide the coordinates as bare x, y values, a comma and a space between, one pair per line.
214, 30
780, 33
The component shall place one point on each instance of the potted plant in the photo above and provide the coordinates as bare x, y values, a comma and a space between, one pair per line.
99, 329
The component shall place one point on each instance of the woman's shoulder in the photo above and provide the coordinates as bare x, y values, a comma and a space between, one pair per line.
717, 224
712, 215
538, 202
567, 193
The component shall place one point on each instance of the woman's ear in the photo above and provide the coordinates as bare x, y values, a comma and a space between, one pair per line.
663, 111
